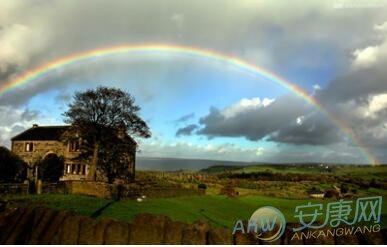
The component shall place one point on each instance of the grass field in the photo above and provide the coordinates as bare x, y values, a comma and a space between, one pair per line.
217, 210
355, 171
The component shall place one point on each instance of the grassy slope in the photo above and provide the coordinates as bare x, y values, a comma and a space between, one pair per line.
218, 210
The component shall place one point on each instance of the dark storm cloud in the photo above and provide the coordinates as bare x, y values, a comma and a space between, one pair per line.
355, 85
185, 131
23, 94
314, 130
357, 97
34, 33
7, 71
253, 123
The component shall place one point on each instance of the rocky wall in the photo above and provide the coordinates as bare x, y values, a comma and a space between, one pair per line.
47, 226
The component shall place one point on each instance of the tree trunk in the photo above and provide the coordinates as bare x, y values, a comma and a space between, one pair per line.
93, 165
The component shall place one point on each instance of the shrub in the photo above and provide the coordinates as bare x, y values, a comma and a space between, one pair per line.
202, 186
12, 168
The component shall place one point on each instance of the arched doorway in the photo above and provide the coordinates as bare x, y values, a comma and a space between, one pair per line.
50, 168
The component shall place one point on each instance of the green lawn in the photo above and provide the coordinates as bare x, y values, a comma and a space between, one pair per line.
218, 210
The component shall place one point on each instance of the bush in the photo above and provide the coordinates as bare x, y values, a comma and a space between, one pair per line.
12, 168
331, 193
202, 186
344, 188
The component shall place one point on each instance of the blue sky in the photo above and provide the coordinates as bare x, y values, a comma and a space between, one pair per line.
196, 86
234, 115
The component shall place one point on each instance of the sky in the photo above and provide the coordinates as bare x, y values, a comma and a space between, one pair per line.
200, 108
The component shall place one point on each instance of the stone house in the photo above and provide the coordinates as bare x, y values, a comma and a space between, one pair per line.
40, 142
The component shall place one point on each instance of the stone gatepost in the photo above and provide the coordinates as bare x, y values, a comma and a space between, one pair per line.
39, 186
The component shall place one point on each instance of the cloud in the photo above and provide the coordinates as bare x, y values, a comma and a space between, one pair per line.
63, 98
252, 119
35, 33
335, 153
286, 120
185, 118
185, 131
300, 120
370, 55
381, 27
15, 120
245, 105
366, 57
373, 107
183, 149
312, 130
377, 103
316, 37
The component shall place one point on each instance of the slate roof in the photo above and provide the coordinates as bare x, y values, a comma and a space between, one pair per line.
41, 133
46, 133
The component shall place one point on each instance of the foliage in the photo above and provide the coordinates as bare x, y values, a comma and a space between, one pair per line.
12, 168
202, 186
103, 119
51, 168
344, 188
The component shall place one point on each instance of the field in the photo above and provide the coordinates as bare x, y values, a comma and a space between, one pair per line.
232, 193
355, 171
217, 210
294, 181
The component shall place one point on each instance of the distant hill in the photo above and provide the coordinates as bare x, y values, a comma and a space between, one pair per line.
175, 164
273, 168
219, 166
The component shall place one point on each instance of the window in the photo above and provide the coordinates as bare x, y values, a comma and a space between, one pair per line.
68, 168
74, 145
73, 168
29, 146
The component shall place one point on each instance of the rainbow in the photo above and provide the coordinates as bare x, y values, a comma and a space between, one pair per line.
45, 69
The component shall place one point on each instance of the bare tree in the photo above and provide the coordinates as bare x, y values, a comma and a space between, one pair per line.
98, 116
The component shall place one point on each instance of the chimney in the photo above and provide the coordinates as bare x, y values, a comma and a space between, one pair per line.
34, 125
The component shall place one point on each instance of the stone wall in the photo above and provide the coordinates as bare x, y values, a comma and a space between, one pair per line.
54, 188
40, 149
101, 189
128, 191
14, 188
47, 226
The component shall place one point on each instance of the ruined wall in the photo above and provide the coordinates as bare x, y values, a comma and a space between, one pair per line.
47, 226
